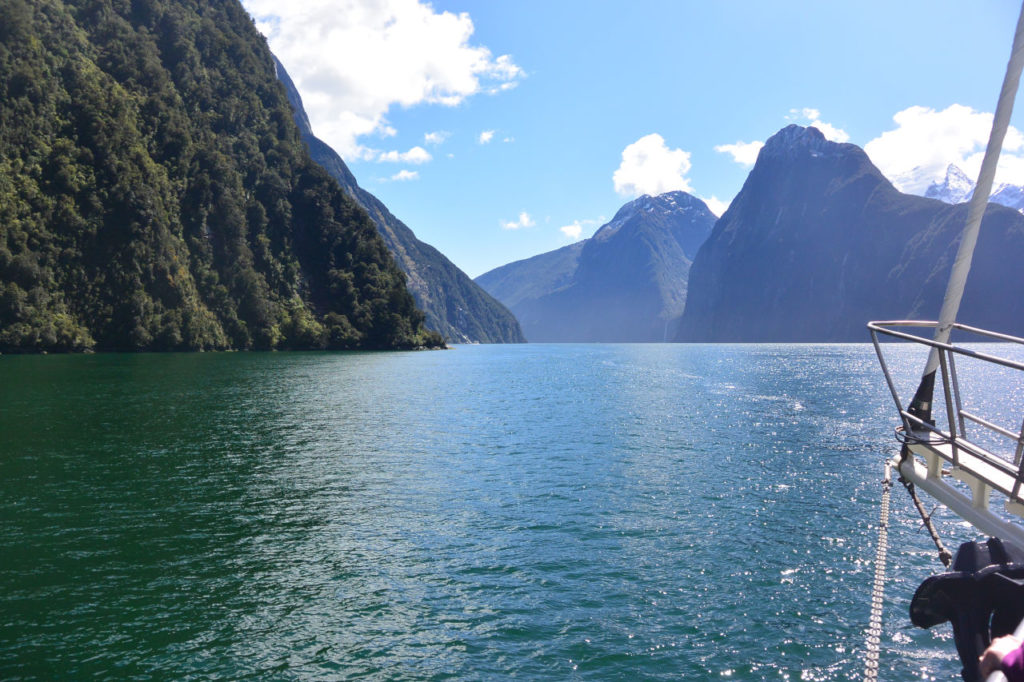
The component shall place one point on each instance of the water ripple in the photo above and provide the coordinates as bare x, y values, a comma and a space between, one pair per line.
553, 512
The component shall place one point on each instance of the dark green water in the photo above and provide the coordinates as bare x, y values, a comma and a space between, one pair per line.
544, 512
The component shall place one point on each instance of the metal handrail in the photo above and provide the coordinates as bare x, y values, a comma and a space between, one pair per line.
884, 328
956, 414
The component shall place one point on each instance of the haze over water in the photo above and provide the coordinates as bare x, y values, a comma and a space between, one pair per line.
593, 512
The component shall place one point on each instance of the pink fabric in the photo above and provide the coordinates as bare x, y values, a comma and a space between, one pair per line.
1013, 665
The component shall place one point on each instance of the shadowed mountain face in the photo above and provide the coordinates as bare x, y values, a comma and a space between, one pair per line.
818, 242
627, 283
455, 306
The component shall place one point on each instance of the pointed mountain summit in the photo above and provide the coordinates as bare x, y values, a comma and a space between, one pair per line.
627, 283
956, 188
455, 306
818, 242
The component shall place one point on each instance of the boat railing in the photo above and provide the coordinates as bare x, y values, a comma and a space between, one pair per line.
991, 462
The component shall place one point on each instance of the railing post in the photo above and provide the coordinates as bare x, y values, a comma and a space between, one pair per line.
888, 379
950, 417
1020, 465
1020, 445
956, 395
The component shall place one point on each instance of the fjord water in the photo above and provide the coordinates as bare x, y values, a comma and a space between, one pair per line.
539, 511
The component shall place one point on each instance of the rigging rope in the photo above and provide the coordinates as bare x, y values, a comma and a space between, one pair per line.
944, 554
874, 634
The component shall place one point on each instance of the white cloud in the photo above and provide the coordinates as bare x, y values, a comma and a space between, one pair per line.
415, 155
436, 137
509, 140
486, 136
578, 228
925, 141
650, 167
387, 131
353, 60
573, 231
524, 220
405, 175
805, 113
743, 153
716, 205
812, 117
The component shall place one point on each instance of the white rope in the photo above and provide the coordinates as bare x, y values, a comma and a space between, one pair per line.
874, 633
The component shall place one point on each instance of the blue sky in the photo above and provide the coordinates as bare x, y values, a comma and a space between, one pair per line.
498, 130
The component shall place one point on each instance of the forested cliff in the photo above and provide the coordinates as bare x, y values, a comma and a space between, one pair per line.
455, 306
155, 193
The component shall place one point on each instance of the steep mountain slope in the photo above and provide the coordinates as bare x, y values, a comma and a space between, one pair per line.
455, 306
818, 242
627, 283
155, 193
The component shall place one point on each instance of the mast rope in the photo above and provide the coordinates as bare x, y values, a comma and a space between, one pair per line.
905, 437
874, 633
944, 554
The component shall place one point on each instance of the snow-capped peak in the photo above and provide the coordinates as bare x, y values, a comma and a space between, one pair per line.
956, 188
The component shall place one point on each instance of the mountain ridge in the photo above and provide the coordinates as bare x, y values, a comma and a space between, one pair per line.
626, 283
818, 242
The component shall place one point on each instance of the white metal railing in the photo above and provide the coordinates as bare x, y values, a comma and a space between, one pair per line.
999, 468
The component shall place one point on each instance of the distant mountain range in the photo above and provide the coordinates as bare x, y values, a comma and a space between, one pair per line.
818, 242
627, 283
957, 188
455, 306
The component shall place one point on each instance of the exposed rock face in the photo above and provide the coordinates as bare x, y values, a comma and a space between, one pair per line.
818, 242
627, 283
455, 306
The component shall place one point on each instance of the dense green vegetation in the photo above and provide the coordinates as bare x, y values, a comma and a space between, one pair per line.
155, 193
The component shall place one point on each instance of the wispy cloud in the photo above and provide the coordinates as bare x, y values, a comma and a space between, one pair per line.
743, 153
405, 175
436, 137
581, 229
485, 137
716, 205
408, 53
650, 167
573, 231
416, 155
524, 220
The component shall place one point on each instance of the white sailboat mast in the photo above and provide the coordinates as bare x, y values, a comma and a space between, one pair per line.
921, 405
